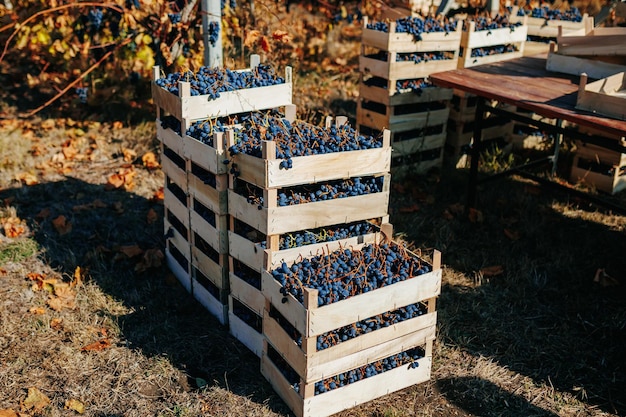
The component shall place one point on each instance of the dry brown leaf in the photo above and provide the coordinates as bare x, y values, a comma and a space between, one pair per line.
63, 297
43, 214
447, 215
61, 225
158, 196
75, 405
512, 234
129, 155
131, 250
35, 400
13, 226
265, 44
150, 161
48, 124
123, 178
117, 125
475, 216
604, 279
56, 324
79, 277
68, 149
97, 203
37, 310
492, 271
152, 258
97, 346
281, 36
152, 216
27, 178
118, 207
251, 38
8, 413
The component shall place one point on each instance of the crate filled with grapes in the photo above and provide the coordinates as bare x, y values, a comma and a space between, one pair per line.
401, 92
601, 168
331, 316
461, 133
212, 92
245, 325
544, 22
488, 39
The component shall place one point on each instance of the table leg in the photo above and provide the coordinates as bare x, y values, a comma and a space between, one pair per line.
558, 138
475, 153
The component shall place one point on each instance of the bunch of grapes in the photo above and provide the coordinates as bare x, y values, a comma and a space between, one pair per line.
498, 22
82, 93
545, 12
324, 234
312, 193
95, 17
174, 18
493, 50
346, 273
232, 4
214, 32
212, 81
416, 26
296, 139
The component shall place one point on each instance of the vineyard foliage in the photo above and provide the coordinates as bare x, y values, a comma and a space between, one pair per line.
86, 46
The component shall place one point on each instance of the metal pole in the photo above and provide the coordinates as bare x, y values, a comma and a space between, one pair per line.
212, 14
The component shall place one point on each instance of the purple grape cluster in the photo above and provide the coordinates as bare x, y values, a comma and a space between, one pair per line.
409, 357
296, 139
324, 234
213, 81
345, 333
492, 50
498, 22
311, 193
174, 18
232, 4
214, 32
82, 93
416, 26
95, 18
416, 57
545, 12
346, 273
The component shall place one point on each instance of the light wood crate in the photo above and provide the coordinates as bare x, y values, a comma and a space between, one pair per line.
212, 298
265, 172
609, 182
186, 107
174, 165
606, 96
544, 28
389, 95
400, 122
405, 42
404, 70
251, 337
472, 39
416, 140
175, 261
460, 133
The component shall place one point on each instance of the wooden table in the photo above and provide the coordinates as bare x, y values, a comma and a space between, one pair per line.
525, 83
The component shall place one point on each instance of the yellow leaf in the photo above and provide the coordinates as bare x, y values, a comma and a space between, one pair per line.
75, 405
149, 161
79, 276
37, 310
129, 155
36, 400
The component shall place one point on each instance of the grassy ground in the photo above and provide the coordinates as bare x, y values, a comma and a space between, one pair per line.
527, 324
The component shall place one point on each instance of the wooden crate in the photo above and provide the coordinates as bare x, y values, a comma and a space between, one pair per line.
594, 68
274, 220
417, 163
178, 264
404, 70
405, 42
601, 41
249, 294
311, 320
394, 118
174, 165
597, 153
390, 96
550, 28
265, 172
473, 39
209, 261
605, 177
214, 299
186, 107
606, 96
245, 325
415, 140
313, 365
212, 227
208, 157
331, 402
209, 189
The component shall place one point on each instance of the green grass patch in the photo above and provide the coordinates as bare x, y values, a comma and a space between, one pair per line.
18, 250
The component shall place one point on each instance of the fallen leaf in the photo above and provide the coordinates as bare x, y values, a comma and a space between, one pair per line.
37, 310
131, 250
475, 216
265, 44
27, 178
604, 279
123, 178
152, 258
75, 405
61, 225
48, 124
150, 161
456, 208
251, 38
118, 207
492, 271
43, 214
68, 149
447, 215
512, 234
117, 125
152, 216
158, 196
56, 324
8, 413
281, 36
97, 346
35, 401
79, 277
129, 155
13, 226
63, 297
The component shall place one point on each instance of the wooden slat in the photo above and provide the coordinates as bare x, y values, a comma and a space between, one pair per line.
251, 339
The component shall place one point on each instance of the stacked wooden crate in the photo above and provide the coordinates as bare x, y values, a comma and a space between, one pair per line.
319, 370
542, 30
395, 94
196, 181
259, 225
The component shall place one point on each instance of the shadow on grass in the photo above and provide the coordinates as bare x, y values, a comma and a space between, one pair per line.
166, 320
544, 316
483, 398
